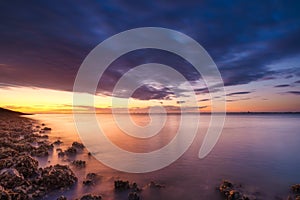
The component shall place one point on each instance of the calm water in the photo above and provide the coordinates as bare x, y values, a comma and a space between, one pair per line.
259, 151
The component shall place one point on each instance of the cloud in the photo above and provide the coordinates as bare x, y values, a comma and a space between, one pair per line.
233, 100
54, 38
147, 93
202, 100
294, 92
283, 85
297, 81
237, 93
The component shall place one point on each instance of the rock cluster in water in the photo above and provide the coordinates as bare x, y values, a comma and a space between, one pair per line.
79, 163
90, 179
72, 150
233, 192
133, 189
295, 189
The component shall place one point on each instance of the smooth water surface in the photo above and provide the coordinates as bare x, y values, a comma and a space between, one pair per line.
261, 152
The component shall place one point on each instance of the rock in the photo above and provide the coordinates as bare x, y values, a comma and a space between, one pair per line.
10, 178
57, 142
135, 188
77, 145
56, 177
91, 197
152, 184
289, 198
71, 151
26, 165
62, 198
4, 195
42, 150
87, 182
225, 188
295, 188
91, 176
46, 128
122, 185
6, 163
79, 163
61, 154
90, 179
8, 153
233, 192
133, 196
43, 124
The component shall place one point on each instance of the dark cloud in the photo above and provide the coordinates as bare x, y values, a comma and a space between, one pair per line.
297, 81
237, 93
294, 92
146, 92
283, 85
180, 102
201, 107
233, 100
43, 43
201, 100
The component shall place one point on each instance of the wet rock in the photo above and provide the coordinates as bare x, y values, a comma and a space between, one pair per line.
42, 150
289, 198
62, 198
8, 153
225, 187
232, 192
91, 176
4, 195
152, 184
57, 142
87, 182
91, 197
46, 128
90, 179
296, 188
61, 154
121, 185
26, 165
133, 196
6, 163
77, 145
56, 177
135, 188
71, 151
20, 193
10, 178
79, 163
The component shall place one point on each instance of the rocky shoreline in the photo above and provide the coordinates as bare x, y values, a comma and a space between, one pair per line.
21, 178
22, 141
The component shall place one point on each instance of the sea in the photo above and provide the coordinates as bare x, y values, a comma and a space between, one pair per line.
258, 152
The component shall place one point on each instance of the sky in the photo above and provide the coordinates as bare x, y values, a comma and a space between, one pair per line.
255, 45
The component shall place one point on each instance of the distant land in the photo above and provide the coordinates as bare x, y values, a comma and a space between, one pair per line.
4, 111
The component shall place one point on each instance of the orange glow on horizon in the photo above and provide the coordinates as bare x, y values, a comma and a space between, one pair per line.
40, 100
